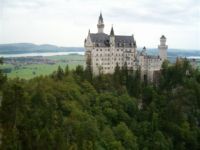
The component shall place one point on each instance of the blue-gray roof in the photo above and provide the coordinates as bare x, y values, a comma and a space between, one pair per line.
103, 40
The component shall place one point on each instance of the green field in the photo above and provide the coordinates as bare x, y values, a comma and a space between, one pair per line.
33, 70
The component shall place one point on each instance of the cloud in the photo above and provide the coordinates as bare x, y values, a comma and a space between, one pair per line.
22, 3
163, 12
65, 22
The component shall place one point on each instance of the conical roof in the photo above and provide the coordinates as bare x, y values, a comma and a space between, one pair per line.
112, 31
101, 18
163, 37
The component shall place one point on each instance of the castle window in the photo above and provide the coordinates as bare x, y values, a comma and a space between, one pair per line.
97, 50
100, 49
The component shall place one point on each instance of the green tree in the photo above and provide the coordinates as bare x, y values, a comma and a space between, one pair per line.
67, 70
109, 141
160, 142
88, 70
2, 76
79, 71
124, 134
60, 73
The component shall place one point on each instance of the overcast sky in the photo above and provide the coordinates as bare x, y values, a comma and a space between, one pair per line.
66, 22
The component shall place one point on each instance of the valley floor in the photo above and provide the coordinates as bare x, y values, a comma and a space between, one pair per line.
30, 67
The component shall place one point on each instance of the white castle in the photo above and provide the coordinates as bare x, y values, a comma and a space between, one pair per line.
107, 51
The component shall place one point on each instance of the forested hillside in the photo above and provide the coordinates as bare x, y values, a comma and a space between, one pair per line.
73, 110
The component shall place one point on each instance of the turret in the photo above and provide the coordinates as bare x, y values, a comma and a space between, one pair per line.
100, 24
88, 42
112, 37
163, 48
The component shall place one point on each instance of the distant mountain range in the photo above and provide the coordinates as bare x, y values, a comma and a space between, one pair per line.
20, 48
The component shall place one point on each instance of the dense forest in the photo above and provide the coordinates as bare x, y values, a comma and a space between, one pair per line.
72, 110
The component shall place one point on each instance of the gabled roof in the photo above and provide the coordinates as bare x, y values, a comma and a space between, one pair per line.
103, 40
124, 41
100, 39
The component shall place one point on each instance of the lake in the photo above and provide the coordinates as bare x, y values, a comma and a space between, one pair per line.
68, 53
40, 54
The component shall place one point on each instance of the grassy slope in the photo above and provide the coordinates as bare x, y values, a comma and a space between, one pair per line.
33, 70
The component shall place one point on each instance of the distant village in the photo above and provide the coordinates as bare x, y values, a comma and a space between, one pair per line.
22, 61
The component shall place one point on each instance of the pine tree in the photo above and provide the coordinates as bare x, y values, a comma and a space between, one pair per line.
67, 70
60, 73
88, 70
116, 76
2, 76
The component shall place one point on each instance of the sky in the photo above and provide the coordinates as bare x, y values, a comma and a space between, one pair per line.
66, 22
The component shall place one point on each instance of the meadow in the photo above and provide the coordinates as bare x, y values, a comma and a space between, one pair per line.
29, 71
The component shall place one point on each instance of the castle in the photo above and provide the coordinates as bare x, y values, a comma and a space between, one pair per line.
105, 52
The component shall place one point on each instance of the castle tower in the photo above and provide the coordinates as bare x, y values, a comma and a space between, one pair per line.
112, 37
163, 48
100, 24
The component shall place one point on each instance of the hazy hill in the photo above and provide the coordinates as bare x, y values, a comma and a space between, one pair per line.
31, 48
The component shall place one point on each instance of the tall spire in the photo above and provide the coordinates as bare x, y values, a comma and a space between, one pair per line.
112, 31
100, 18
100, 24
112, 37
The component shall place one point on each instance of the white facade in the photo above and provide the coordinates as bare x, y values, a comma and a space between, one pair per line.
163, 48
106, 51
148, 64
